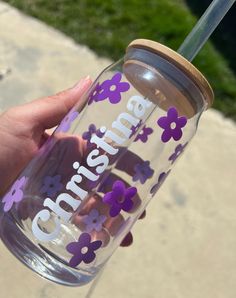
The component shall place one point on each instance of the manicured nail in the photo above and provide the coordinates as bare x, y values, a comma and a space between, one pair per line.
82, 83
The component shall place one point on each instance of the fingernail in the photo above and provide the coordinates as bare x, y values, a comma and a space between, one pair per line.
82, 83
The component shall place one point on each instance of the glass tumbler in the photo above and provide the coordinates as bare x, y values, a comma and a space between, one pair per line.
73, 204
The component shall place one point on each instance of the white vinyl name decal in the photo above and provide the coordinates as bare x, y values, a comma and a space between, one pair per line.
137, 107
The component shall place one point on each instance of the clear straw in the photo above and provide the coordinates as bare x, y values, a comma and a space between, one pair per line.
204, 28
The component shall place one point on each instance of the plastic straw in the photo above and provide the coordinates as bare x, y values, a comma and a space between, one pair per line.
204, 28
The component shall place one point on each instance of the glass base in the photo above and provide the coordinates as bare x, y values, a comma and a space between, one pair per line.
36, 259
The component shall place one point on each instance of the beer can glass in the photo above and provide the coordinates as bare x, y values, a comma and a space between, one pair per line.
76, 200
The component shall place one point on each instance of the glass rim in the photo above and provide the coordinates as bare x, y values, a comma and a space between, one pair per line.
183, 64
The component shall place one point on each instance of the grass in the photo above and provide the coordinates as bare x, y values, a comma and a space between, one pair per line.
107, 27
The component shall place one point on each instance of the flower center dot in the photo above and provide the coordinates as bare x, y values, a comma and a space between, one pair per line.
51, 185
120, 199
173, 125
113, 88
94, 221
84, 250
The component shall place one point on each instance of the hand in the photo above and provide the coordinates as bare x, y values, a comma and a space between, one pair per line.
23, 131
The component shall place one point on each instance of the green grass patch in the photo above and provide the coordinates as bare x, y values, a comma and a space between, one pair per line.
107, 27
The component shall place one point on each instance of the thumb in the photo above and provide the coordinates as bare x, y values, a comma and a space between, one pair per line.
47, 112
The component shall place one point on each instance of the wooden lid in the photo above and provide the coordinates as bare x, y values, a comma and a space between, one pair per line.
180, 62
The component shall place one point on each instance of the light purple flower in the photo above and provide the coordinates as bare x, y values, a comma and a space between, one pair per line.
67, 121
112, 89
172, 125
51, 185
15, 194
178, 150
87, 135
94, 221
162, 177
120, 198
142, 172
83, 250
143, 134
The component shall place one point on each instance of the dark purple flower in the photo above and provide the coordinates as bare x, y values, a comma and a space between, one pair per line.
143, 134
87, 135
120, 198
162, 177
51, 185
99, 133
135, 128
142, 172
178, 150
94, 220
15, 194
83, 250
112, 89
172, 125
67, 121
93, 96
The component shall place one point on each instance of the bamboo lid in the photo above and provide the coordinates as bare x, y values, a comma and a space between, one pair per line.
175, 59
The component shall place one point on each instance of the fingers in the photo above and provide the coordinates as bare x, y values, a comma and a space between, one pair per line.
65, 151
143, 215
94, 217
47, 112
128, 167
127, 241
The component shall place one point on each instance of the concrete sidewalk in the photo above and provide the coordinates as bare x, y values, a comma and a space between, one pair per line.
186, 247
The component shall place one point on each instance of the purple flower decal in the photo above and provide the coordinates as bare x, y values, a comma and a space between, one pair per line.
15, 194
94, 94
120, 198
67, 121
83, 250
143, 135
172, 125
135, 129
112, 89
178, 150
162, 177
87, 135
142, 172
51, 185
94, 221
